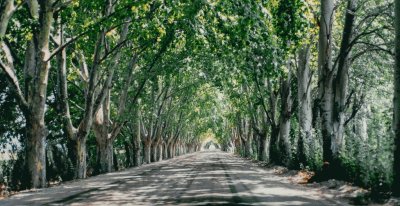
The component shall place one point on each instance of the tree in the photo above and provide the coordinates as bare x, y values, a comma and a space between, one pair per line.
36, 69
325, 80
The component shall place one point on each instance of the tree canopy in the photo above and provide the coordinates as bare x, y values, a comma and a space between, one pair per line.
89, 87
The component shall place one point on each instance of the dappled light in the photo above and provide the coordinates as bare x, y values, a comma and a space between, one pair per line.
200, 102
208, 177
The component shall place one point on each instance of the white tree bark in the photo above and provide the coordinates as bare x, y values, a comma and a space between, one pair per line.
305, 140
325, 71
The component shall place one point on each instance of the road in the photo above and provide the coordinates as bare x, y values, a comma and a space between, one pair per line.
202, 178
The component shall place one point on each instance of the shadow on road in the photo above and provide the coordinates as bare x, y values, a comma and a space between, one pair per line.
204, 178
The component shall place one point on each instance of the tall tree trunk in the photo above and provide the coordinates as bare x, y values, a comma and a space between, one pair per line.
76, 136
137, 141
78, 149
104, 142
396, 103
325, 71
305, 140
79, 135
274, 126
103, 119
284, 122
340, 82
35, 125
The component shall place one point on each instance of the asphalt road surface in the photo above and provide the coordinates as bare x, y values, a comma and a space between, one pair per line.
202, 178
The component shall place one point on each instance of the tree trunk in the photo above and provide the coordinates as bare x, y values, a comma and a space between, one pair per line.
177, 148
80, 155
284, 143
160, 152
284, 122
273, 146
104, 149
248, 150
104, 157
180, 151
396, 104
273, 125
136, 140
238, 146
78, 136
36, 157
136, 155
305, 143
171, 150
115, 160
154, 151
340, 86
35, 125
147, 153
325, 76
8, 9
102, 122
104, 142
128, 154
165, 151
263, 153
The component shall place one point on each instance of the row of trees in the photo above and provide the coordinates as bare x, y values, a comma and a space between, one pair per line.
305, 84
86, 73
316, 91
